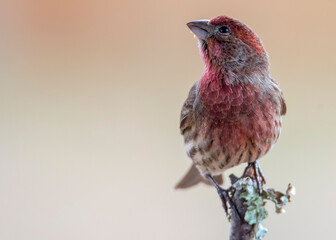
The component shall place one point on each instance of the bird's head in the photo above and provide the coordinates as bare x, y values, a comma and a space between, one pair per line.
229, 44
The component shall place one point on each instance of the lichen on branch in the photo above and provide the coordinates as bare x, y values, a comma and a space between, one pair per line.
252, 207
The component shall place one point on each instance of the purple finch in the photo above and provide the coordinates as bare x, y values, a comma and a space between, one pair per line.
233, 113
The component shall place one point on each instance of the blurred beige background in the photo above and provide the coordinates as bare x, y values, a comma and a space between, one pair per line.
90, 98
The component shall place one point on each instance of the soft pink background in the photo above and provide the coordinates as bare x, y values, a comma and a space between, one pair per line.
90, 98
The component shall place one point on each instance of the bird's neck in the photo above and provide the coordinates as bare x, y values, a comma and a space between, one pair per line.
214, 83
213, 78
219, 90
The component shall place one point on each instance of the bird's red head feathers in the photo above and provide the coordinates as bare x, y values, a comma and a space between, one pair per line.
224, 40
239, 31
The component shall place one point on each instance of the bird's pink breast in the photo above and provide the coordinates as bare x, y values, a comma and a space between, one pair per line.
238, 113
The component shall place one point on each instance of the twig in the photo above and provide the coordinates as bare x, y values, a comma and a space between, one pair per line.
240, 229
250, 203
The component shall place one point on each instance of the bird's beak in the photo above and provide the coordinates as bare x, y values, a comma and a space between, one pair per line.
201, 28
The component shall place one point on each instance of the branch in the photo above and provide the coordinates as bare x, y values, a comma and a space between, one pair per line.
251, 207
240, 229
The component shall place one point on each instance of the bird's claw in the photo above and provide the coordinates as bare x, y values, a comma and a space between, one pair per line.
256, 174
224, 195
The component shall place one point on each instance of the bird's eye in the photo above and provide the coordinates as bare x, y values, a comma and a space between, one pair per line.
224, 29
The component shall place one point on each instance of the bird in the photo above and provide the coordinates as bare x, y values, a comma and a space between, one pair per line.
233, 114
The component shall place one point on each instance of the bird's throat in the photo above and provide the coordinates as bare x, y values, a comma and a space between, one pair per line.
222, 96
214, 87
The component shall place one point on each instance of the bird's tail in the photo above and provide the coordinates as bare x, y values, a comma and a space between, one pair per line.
194, 177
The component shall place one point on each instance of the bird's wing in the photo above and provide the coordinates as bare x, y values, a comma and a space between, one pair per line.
186, 119
283, 105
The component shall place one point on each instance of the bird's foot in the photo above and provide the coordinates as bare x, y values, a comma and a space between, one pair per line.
224, 195
253, 170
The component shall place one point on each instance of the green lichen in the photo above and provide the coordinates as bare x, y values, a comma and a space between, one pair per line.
255, 201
